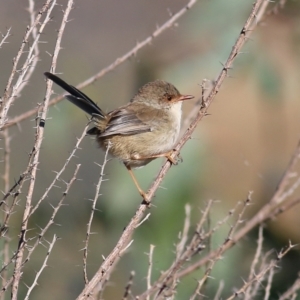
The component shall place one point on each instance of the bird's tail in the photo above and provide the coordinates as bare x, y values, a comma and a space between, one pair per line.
77, 97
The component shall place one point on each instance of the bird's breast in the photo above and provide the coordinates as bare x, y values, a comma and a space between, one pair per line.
165, 128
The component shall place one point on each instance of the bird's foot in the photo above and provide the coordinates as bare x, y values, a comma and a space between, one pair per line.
173, 160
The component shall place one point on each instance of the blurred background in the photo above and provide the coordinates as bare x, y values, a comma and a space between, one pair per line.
243, 145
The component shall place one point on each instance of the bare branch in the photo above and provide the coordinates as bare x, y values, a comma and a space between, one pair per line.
4, 37
150, 268
35, 152
60, 172
251, 291
11, 92
185, 231
261, 274
89, 224
44, 265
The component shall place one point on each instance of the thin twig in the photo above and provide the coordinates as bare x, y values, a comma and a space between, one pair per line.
93, 209
269, 284
288, 174
249, 292
5, 176
220, 251
185, 231
42, 233
60, 172
259, 277
54, 213
150, 268
44, 265
4, 38
169, 278
196, 292
6, 159
219, 291
220, 223
35, 47
5, 262
11, 91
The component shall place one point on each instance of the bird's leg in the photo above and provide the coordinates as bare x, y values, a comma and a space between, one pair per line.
167, 155
142, 193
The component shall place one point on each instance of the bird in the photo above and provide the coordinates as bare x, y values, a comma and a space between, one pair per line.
144, 129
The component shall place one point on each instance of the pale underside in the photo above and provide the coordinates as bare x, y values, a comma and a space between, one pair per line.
140, 141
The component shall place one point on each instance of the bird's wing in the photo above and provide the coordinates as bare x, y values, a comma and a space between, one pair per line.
77, 97
126, 121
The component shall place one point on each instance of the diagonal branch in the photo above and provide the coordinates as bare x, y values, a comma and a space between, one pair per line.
125, 238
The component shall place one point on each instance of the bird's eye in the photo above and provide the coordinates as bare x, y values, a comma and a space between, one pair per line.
169, 97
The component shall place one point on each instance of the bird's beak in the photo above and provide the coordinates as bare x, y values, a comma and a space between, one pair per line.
185, 97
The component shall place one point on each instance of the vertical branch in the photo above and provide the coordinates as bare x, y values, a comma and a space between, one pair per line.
219, 291
249, 292
6, 173
6, 159
5, 260
150, 268
185, 231
89, 224
35, 47
5, 176
35, 157
269, 284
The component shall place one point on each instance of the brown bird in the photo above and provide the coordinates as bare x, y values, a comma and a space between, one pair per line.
138, 132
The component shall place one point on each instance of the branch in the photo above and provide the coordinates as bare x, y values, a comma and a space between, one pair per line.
44, 265
11, 91
127, 233
89, 224
35, 154
4, 37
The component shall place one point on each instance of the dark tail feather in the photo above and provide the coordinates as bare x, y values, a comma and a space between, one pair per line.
77, 97
85, 106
